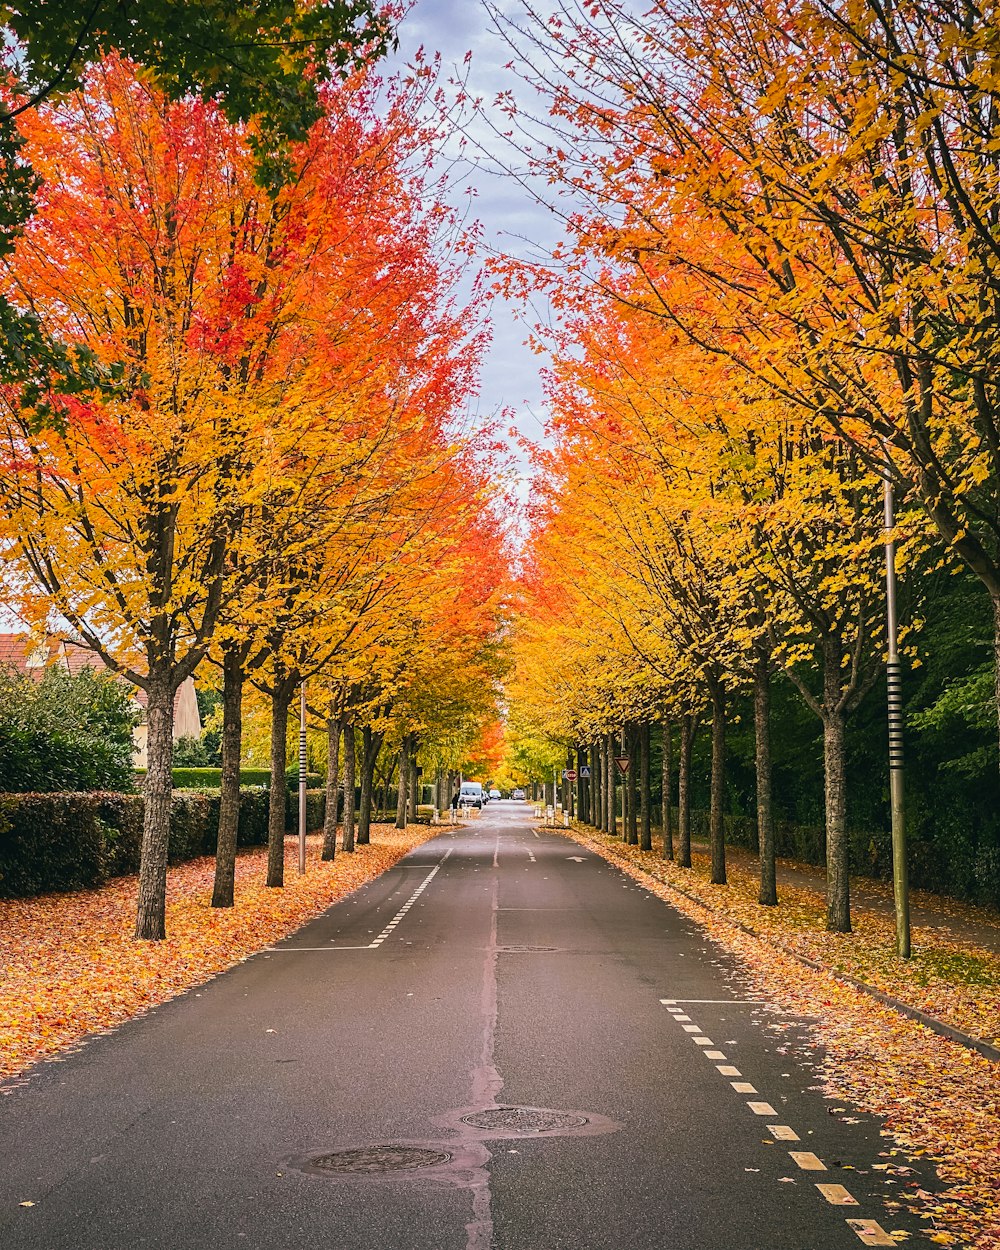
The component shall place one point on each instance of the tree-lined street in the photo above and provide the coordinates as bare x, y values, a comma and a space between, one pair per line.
495, 966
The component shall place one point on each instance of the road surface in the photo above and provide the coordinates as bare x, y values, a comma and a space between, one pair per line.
622, 1087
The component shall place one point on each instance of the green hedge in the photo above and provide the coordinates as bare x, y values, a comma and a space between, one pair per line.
78, 841
211, 778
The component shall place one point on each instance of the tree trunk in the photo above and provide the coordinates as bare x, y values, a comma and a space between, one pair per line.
150, 921
610, 773
596, 788
717, 830
404, 781
645, 799
631, 788
371, 744
666, 813
768, 896
281, 698
414, 778
224, 890
838, 885
684, 792
350, 761
330, 817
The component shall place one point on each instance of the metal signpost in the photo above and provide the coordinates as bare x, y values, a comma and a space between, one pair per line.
302, 779
900, 881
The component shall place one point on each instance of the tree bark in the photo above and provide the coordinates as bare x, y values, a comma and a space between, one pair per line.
350, 762
610, 772
631, 787
402, 792
596, 788
666, 812
717, 830
330, 817
645, 798
414, 778
838, 885
684, 792
150, 922
281, 698
224, 889
768, 896
371, 745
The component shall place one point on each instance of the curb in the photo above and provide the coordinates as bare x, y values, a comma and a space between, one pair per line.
913, 1013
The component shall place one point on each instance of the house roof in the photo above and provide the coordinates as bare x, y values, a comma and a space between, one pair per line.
28, 657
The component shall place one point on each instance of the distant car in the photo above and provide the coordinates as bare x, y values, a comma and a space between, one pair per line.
494, 794
518, 794
471, 794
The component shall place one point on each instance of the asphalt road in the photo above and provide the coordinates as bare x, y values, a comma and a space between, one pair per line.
630, 1093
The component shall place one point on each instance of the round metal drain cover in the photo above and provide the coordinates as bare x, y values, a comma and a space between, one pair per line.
523, 1119
524, 950
371, 1159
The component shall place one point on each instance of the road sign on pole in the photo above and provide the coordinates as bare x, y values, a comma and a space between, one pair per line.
585, 773
622, 762
570, 774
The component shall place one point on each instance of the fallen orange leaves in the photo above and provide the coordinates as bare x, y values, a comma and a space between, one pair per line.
69, 965
937, 1098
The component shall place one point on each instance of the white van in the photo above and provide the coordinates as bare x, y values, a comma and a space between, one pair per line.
471, 794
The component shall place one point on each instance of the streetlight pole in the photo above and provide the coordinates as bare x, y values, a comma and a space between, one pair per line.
302, 778
900, 883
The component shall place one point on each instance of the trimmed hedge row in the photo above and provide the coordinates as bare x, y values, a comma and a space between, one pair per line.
59, 842
211, 778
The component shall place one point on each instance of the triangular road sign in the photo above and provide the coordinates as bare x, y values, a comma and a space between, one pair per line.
622, 762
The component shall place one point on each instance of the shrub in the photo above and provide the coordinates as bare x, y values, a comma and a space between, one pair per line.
65, 732
211, 778
78, 841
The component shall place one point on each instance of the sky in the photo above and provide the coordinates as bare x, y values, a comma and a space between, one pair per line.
511, 219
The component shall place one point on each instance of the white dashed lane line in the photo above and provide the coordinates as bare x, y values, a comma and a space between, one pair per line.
373, 945
869, 1232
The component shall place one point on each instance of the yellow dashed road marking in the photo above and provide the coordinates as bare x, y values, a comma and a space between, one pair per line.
837, 1195
743, 1087
871, 1234
807, 1161
782, 1132
713, 1054
761, 1108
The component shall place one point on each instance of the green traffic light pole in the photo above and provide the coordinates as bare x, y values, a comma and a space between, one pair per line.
900, 883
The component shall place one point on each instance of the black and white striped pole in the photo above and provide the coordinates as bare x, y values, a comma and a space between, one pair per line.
900, 881
302, 778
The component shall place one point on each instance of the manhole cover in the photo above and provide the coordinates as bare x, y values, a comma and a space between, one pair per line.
523, 1119
524, 950
379, 1159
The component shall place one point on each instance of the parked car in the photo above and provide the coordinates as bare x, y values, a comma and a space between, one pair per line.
495, 794
471, 794
518, 794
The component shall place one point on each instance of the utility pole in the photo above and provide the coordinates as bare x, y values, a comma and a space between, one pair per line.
302, 778
900, 882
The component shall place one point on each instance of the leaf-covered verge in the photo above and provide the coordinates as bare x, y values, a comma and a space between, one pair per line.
69, 965
938, 1099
